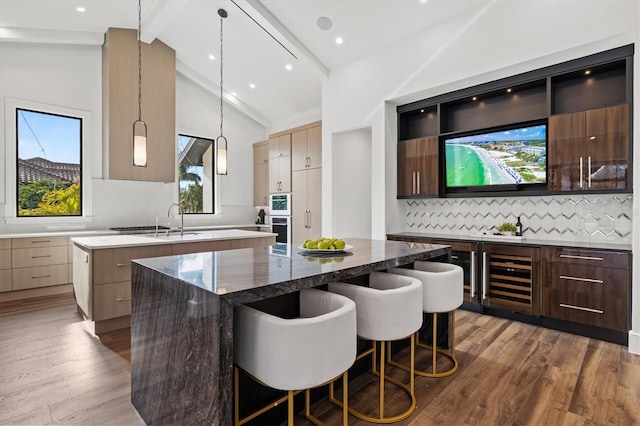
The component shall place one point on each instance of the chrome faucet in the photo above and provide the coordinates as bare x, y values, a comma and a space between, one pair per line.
181, 212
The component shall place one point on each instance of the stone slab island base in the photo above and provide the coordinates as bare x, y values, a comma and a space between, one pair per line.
182, 317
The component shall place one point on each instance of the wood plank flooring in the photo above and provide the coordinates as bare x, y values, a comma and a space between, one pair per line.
54, 371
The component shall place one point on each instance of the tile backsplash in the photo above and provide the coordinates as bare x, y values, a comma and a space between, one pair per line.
593, 217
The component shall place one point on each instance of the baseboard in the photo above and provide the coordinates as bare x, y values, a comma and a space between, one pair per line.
30, 293
634, 342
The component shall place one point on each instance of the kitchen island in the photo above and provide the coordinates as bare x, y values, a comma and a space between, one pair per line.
102, 267
182, 317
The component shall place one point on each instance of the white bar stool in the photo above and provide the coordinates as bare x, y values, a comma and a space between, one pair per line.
296, 354
389, 309
442, 288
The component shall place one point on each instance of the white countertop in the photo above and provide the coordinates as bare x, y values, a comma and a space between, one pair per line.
116, 241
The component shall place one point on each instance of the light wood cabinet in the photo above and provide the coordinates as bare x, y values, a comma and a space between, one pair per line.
280, 163
306, 200
587, 286
5, 280
112, 300
40, 276
114, 265
38, 262
5, 259
5, 244
5, 265
120, 106
418, 167
261, 174
306, 149
589, 150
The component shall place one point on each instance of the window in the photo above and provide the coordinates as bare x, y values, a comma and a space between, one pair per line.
48, 164
196, 174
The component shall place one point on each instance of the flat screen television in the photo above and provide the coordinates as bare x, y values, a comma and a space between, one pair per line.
504, 159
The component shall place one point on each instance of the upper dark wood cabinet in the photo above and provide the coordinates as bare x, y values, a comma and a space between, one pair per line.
589, 150
418, 167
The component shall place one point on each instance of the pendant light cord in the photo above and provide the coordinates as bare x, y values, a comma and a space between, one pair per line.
139, 61
221, 81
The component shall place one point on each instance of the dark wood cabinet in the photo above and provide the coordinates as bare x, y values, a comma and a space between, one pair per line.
510, 278
589, 150
418, 167
586, 286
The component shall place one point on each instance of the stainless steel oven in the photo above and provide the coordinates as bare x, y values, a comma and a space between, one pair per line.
281, 225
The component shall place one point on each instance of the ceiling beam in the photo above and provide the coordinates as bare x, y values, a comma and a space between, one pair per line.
202, 81
160, 17
267, 20
31, 35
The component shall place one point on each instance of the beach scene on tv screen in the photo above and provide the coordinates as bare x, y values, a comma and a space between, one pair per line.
516, 156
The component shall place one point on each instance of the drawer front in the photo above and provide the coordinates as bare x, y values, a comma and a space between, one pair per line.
40, 276
5, 259
114, 265
591, 280
26, 258
5, 243
201, 246
39, 242
585, 257
111, 300
5, 280
610, 313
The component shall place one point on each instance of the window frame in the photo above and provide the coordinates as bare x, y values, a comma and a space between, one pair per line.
9, 162
216, 180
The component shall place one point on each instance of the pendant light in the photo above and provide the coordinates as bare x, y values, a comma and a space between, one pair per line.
139, 126
221, 141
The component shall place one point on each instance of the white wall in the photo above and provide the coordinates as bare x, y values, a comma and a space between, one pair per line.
351, 175
501, 39
70, 76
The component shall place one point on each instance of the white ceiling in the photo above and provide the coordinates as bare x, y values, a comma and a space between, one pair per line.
251, 55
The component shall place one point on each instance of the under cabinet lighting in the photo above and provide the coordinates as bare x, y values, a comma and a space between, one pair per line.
421, 111
509, 90
475, 98
587, 72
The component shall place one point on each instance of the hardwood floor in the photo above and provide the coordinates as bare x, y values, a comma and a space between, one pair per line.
53, 371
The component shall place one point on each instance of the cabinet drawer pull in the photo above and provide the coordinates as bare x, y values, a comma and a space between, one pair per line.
580, 172
454, 257
121, 265
418, 182
588, 280
40, 241
580, 308
41, 276
122, 299
38, 257
570, 256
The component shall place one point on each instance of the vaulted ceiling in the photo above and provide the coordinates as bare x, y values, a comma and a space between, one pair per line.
261, 38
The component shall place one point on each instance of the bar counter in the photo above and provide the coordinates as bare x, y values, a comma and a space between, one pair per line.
182, 317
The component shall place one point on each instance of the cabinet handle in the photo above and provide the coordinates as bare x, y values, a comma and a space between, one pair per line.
40, 241
121, 265
570, 256
309, 212
589, 171
122, 299
454, 257
484, 275
41, 276
588, 280
473, 274
38, 257
580, 308
264, 200
413, 175
580, 172
418, 181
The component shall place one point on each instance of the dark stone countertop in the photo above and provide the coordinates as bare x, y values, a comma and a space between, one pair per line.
245, 275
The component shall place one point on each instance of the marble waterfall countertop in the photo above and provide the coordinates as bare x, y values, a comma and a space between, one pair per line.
117, 241
182, 317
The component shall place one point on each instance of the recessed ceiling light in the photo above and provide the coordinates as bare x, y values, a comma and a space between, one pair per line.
324, 23
253, 86
81, 9
421, 110
213, 58
475, 98
509, 90
423, 1
288, 67
339, 40
587, 72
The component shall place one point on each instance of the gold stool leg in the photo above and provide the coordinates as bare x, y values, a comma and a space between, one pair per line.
345, 398
290, 409
434, 342
381, 393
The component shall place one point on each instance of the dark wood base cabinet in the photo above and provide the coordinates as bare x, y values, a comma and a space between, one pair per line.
586, 286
